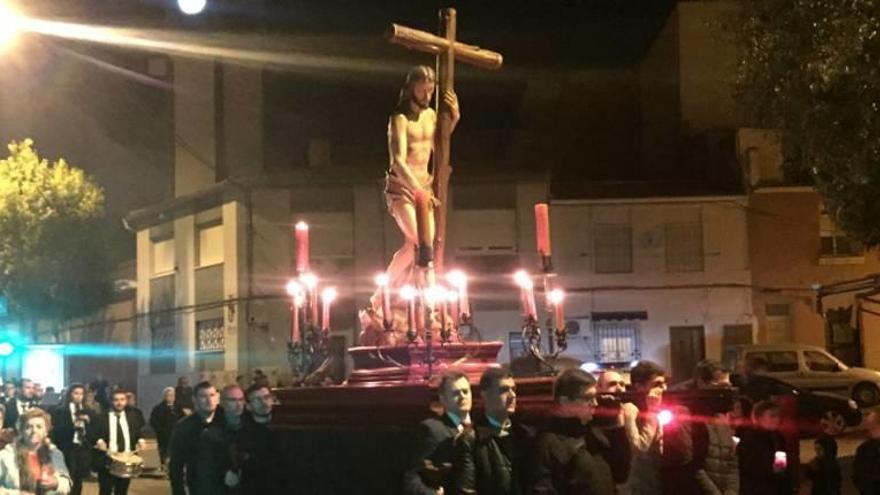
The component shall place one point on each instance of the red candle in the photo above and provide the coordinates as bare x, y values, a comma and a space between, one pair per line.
527, 294
408, 294
384, 298
530, 299
294, 322
542, 228
423, 218
294, 290
557, 296
420, 312
310, 281
453, 308
302, 247
459, 280
328, 295
444, 306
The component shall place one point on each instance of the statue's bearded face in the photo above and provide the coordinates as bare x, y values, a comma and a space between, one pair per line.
421, 94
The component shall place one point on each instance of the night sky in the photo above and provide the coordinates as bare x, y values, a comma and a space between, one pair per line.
566, 101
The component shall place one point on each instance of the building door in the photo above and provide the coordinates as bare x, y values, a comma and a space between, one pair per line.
687, 347
841, 337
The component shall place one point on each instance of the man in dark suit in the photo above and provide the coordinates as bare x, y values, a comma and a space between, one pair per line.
71, 422
17, 405
491, 458
572, 456
199, 460
117, 430
431, 471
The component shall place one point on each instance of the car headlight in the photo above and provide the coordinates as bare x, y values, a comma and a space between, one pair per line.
852, 404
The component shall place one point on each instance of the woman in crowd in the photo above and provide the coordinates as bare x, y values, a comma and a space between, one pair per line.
31, 464
7, 435
90, 402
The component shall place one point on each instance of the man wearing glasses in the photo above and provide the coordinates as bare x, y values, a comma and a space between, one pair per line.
573, 457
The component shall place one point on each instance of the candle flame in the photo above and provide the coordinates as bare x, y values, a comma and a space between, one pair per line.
523, 279
457, 278
310, 280
452, 296
435, 294
382, 279
301, 225
557, 296
293, 288
329, 294
408, 292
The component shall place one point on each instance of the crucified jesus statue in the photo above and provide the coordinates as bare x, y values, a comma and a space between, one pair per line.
411, 138
416, 135
412, 132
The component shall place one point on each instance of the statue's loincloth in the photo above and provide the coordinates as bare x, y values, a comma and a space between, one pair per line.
397, 190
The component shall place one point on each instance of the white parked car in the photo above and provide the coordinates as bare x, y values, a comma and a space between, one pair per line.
811, 368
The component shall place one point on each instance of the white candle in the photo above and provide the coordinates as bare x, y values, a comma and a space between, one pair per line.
408, 294
385, 296
459, 280
328, 295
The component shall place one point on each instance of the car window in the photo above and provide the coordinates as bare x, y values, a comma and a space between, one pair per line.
819, 361
782, 361
765, 387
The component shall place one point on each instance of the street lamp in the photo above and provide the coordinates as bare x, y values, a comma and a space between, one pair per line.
192, 7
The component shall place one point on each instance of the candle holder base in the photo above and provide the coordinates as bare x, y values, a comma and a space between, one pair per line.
308, 356
408, 364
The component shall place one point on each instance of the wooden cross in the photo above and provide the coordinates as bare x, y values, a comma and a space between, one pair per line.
447, 50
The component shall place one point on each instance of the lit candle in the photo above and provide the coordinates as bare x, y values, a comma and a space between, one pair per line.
310, 281
442, 302
423, 229
452, 299
542, 228
302, 247
328, 295
294, 290
527, 294
459, 280
780, 461
385, 299
557, 297
408, 294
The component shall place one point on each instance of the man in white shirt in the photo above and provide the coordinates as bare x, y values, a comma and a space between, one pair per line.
117, 430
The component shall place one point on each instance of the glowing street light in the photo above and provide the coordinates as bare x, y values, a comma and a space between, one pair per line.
6, 349
191, 7
10, 23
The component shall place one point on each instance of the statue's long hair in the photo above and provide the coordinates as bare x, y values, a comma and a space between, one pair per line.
26, 479
417, 74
